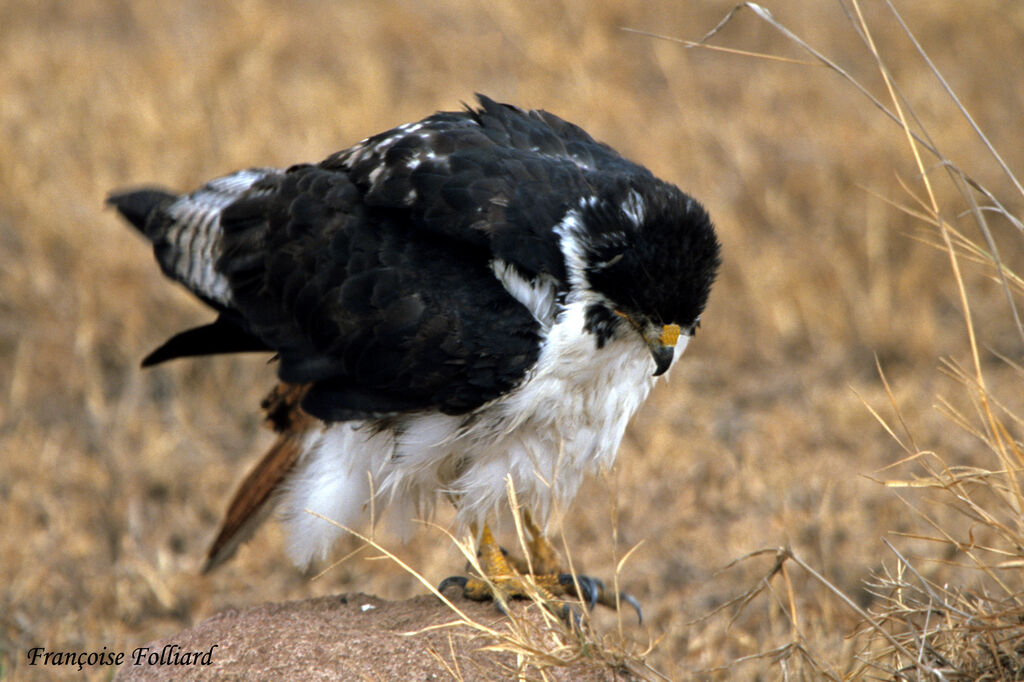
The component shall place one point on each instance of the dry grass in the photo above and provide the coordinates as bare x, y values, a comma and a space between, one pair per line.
112, 479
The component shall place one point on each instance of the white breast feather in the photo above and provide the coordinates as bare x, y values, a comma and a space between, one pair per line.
538, 294
566, 419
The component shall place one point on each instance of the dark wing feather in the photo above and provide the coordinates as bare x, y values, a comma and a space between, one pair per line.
370, 274
220, 336
379, 316
498, 177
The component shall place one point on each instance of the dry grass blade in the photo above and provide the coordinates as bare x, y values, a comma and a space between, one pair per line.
927, 629
777, 119
539, 642
956, 100
524, 639
716, 48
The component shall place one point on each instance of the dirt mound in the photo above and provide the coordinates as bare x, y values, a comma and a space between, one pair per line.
350, 636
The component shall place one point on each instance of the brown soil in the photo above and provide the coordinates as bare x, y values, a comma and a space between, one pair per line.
350, 637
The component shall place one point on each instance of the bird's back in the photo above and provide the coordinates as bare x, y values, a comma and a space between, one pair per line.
370, 274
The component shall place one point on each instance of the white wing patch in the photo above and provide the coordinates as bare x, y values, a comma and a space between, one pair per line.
633, 208
374, 151
571, 244
196, 234
539, 295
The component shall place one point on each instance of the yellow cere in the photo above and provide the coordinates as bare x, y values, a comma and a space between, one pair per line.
670, 334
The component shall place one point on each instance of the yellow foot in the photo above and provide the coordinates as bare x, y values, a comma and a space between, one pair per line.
538, 578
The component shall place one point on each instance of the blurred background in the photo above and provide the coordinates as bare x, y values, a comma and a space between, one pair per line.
113, 479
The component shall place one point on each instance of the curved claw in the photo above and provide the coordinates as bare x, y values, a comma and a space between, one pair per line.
594, 593
631, 600
591, 587
459, 580
608, 599
572, 617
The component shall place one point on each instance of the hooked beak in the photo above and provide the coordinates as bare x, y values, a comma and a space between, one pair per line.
663, 348
661, 342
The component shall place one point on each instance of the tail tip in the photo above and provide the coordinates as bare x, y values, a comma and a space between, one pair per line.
136, 205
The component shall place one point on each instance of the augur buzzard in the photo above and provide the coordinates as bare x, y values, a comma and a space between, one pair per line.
482, 294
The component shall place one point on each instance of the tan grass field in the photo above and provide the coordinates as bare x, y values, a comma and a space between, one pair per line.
112, 479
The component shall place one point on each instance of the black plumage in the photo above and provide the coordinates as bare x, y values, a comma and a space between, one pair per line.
370, 274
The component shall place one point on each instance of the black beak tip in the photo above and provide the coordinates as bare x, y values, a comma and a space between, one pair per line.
662, 359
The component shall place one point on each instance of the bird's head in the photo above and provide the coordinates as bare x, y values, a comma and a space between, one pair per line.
644, 257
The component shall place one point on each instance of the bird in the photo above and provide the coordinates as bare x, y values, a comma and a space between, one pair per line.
477, 300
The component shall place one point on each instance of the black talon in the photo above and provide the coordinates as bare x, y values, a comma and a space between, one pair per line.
591, 592
596, 589
459, 580
572, 616
591, 587
631, 600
